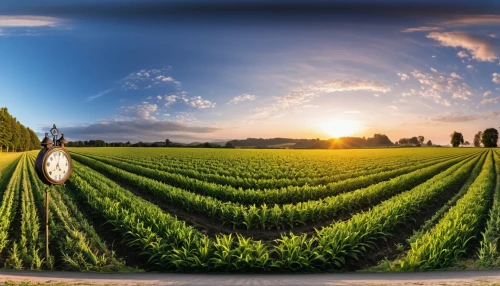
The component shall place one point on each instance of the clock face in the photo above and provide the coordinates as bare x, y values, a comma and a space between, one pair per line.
57, 165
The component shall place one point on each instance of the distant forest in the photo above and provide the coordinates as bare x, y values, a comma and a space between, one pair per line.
15, 137
378, 140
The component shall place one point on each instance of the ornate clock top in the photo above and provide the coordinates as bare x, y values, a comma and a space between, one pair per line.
53, 164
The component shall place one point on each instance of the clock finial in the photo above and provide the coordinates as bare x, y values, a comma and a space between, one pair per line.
46, 142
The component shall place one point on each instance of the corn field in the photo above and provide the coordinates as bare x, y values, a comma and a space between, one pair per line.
245, 210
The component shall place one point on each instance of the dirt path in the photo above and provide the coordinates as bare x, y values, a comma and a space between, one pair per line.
486, 277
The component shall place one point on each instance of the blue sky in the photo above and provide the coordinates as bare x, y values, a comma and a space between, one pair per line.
142, 70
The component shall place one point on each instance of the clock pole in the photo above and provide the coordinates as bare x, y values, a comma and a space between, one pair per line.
42, 163
47, 227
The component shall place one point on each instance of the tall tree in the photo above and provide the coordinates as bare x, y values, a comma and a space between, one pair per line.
456, 139
477, 139
413, 140
429, 143
421, 139
490, 137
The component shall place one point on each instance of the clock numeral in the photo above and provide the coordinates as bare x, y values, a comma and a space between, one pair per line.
48, 164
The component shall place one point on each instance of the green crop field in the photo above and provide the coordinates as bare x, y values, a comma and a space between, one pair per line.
248, 210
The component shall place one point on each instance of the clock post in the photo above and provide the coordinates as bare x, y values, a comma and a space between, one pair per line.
53, 166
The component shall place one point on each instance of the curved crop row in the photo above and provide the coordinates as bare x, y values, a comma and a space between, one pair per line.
171, 244
80, 247
448, 240
251, 183
229, 194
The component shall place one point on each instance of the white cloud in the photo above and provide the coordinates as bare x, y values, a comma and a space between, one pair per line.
376, 95
491, 100
422, 29
455, 75
141, 111
433, 56
164, 78
159, 97
393, 107
352, 111
240, 98
433, 70
198, 102
480, 48
435, 85
462, 54
27, 21
493, 35
470, 66
496, 77
487, 93
403, 76
171, 99
145, 79
90, 98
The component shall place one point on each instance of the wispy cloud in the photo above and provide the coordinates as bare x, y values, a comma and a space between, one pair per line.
145, 79
422, 29
299, 97
491, 100
240, 98
474, 20
461, 117
90, 98
487, 93
482, 49
28, 21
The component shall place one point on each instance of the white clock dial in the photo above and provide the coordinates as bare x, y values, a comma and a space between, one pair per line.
57, 166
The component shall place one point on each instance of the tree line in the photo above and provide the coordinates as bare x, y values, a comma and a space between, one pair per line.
15, 137
488, 138
413, 141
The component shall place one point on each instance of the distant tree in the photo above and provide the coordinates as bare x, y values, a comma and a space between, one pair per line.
403, 141
229, 145
466, 143
421, 139
490, 137
168, 142
477, 139
396, 143
456, 139
429, 143
413, 140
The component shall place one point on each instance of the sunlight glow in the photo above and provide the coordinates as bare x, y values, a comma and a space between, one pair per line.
340, 128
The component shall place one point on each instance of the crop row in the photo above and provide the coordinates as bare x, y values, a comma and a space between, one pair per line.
277, 216
268, 164
167, 168
170, 244
226, 193
448, 240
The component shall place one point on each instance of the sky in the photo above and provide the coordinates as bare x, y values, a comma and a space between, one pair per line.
215, 70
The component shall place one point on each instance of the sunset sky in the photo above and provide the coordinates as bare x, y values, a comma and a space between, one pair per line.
209, 70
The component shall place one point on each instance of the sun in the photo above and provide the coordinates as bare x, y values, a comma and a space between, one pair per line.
340, 128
